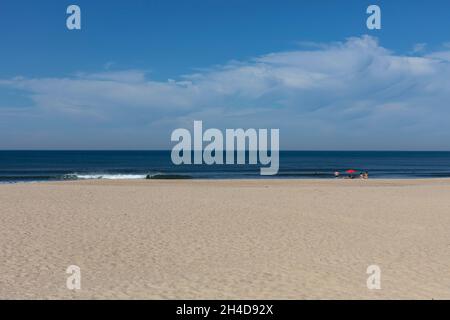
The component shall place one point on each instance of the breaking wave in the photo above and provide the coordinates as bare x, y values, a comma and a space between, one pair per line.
77, 176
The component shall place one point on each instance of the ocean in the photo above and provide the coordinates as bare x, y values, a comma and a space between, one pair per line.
22, 166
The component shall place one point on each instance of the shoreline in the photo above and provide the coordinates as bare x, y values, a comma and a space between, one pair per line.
225, 239
308, 180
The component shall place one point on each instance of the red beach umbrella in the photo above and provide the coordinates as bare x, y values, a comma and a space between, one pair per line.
350, 171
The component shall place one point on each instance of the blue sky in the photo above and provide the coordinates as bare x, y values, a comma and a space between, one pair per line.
139, 69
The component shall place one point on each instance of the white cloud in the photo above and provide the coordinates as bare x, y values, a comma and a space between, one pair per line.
419, 47
355, 94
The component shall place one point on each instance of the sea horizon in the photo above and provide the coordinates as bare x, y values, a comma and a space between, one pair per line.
57, 165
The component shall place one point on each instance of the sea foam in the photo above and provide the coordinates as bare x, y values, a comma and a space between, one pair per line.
76, 176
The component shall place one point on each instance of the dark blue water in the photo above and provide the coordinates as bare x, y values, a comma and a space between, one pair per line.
18, 166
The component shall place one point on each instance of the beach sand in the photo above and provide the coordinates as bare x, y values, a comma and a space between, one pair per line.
243, 239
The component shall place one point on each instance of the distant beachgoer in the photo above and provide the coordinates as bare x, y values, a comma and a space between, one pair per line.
337, 174
366, 175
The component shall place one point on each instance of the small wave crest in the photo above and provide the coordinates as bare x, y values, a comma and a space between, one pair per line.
99, 176
76, 176
168, 176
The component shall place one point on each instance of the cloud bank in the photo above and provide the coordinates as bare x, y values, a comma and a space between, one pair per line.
349, 95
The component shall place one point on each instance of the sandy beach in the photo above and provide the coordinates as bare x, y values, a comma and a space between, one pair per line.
242, 239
